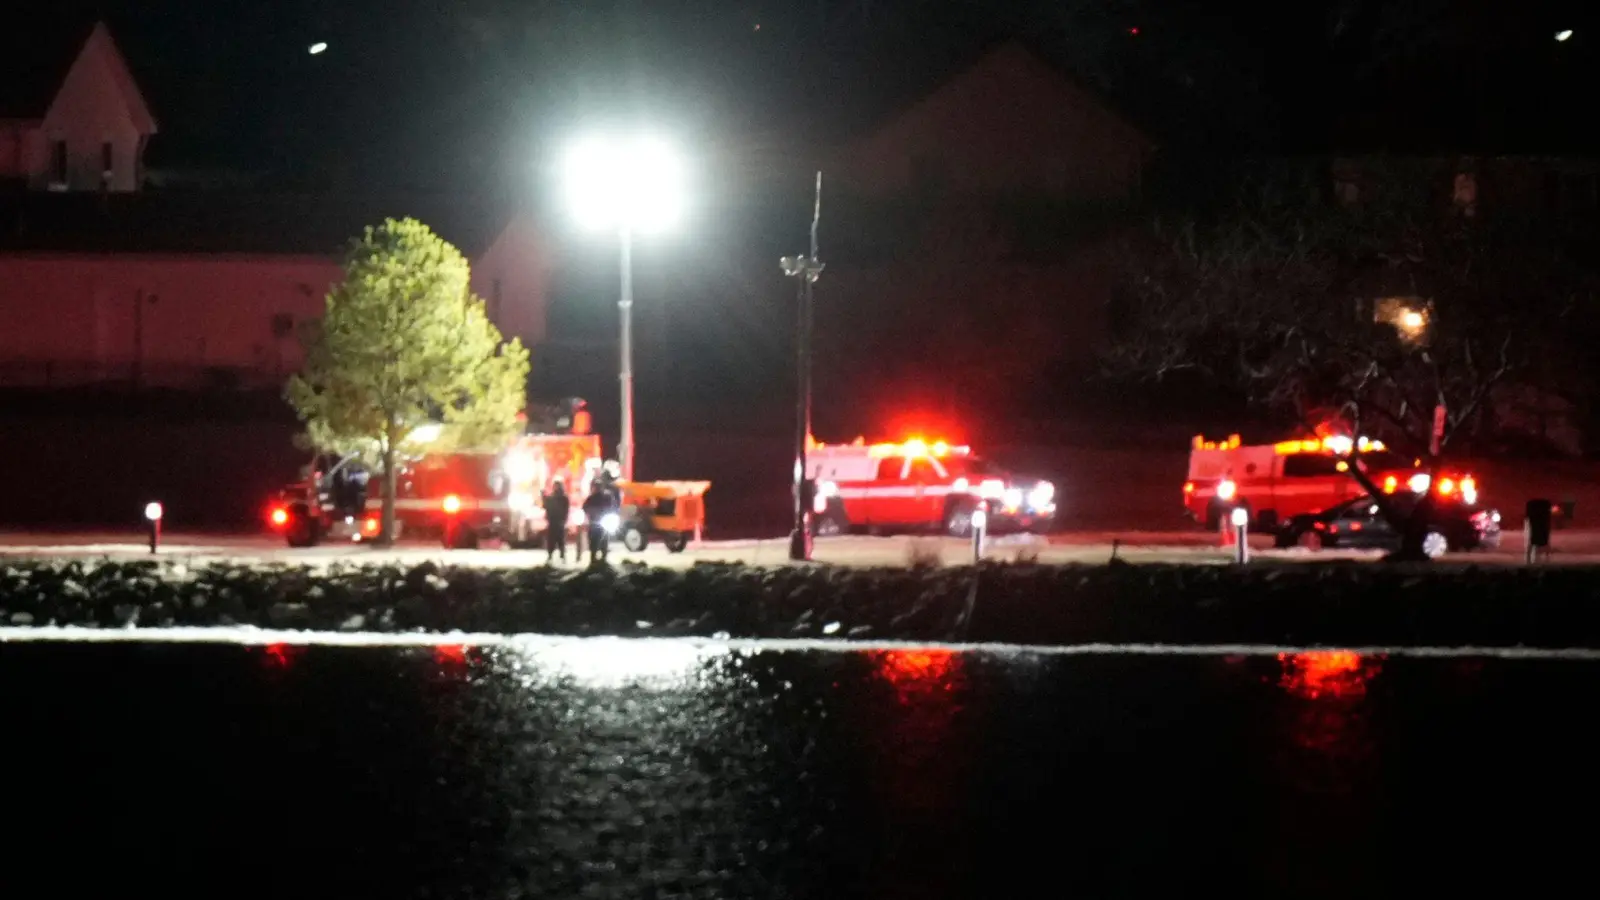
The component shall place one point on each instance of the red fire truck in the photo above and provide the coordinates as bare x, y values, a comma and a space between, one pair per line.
1277, 481
919, 485
462, 497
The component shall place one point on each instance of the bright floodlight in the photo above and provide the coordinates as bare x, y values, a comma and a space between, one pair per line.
1412, 320
1240, 516
634, 184
152, 511
1564, 34
318, 47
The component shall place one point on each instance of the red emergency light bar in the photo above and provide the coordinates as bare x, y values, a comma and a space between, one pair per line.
917, 447
1338, 444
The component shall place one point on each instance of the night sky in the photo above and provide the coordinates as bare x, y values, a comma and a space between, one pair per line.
470, 92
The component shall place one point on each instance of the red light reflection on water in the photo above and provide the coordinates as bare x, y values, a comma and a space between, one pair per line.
281, 656
1327, 674
917, 747
916, 671
1324, 755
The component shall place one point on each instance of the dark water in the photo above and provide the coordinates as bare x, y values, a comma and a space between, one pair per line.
228, 771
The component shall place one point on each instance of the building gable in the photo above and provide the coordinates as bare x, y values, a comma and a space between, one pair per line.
1010, 122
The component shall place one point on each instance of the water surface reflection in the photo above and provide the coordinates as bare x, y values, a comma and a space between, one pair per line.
663, 768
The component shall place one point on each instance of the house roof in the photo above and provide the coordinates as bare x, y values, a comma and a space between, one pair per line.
204, 222
1012, 61
35, 54
1008, 54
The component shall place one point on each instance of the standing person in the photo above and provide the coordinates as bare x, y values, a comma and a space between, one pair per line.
595, 508
557, 507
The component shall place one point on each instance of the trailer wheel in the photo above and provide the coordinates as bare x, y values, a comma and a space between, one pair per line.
634, 538
677, 543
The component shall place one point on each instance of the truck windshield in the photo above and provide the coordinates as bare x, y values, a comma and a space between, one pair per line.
971, 465
1385, 460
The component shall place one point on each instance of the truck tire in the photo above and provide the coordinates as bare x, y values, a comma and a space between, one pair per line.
677, 543
302, 531
1216, 511
958, 519
460, 537
831, 521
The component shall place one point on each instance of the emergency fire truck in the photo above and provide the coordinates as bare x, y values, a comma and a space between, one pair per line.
1277, 481
915, 485
463, 497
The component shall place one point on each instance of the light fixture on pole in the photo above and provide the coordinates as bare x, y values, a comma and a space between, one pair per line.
152, 517
632, 186
806, 269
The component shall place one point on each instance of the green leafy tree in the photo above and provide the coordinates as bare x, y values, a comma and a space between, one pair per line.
404, 343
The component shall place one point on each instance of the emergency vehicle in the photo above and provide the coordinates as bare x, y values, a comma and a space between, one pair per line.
917, 485
1276, 482
463, 497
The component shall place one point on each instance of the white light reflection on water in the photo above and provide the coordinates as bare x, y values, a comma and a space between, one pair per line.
250, 636
612, 663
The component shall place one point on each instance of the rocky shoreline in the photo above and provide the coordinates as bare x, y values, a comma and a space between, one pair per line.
1355, 604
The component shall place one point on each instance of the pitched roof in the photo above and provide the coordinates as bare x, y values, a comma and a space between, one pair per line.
35, 54
1011, 61
201, 222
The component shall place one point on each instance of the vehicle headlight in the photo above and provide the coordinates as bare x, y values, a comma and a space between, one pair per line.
1013, 498
611, 522
1041, 495
519, 467
1419, 482
1226, 489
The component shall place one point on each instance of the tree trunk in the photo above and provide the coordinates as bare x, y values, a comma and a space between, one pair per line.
386, 537
1413, 528
1416, 527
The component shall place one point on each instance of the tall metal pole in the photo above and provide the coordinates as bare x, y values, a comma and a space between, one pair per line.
807, 270
625, 306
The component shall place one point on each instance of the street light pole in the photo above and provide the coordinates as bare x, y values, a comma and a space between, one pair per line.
625, 307
629, 186
806, 269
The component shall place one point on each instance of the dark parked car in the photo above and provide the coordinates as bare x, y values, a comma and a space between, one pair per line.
1357, 524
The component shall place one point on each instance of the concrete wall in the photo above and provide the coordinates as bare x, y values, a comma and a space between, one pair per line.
84, 318
165, 313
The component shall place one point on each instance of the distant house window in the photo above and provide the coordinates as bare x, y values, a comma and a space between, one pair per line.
58, 162
1465, 193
